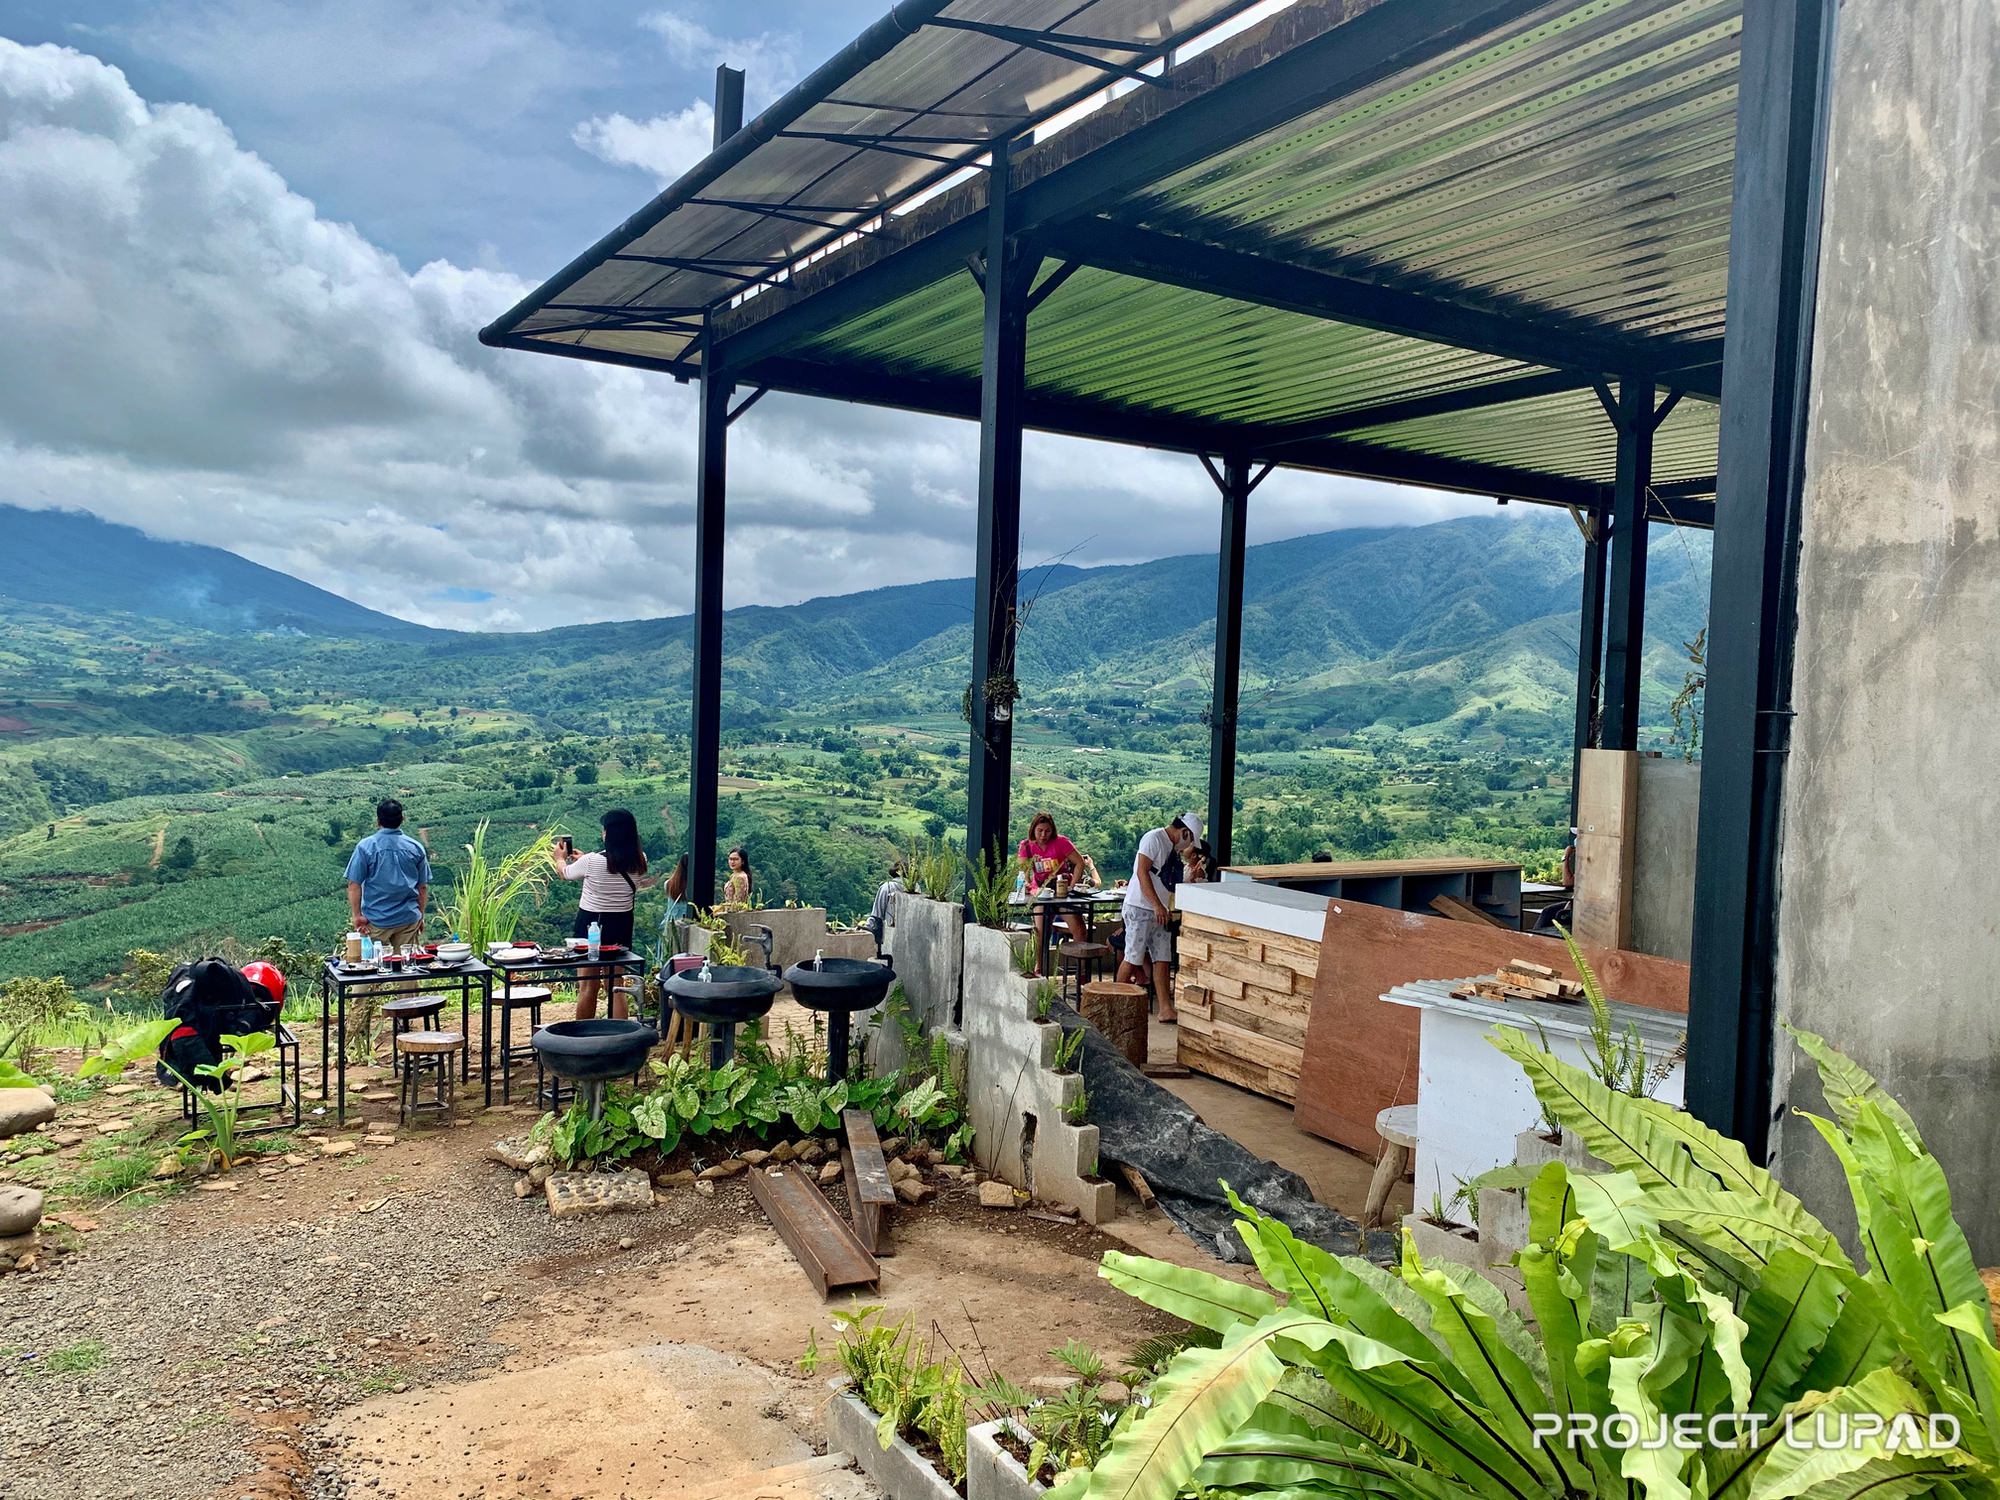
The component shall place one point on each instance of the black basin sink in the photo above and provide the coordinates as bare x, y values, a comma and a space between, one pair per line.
840, 984
730, 995
592, 1051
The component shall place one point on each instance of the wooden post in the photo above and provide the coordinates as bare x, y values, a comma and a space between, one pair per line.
1607, 820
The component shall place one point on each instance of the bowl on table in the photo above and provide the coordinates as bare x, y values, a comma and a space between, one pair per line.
452, 953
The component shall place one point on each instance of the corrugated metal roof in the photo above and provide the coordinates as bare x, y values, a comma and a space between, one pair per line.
1579, 163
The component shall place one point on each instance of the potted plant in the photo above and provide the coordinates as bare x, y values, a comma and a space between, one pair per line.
892, 1395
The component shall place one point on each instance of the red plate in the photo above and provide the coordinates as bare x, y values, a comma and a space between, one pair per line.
606, 949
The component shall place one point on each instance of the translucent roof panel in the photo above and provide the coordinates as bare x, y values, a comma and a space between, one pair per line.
864, 132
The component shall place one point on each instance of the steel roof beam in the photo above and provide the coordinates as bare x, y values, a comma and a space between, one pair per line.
1175, 261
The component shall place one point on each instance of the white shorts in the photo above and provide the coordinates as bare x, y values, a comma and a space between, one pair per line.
1146, 940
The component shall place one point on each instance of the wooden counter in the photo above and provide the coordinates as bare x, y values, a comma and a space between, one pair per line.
1488, 886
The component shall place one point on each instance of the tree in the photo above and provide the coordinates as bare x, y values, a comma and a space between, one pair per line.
586, 774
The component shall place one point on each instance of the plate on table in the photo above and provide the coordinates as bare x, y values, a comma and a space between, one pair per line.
358, 966
517, 953
609, 950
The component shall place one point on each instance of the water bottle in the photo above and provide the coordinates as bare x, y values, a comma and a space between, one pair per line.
594, 935
1020, 885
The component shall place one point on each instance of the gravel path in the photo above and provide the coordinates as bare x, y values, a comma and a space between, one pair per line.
176, 1358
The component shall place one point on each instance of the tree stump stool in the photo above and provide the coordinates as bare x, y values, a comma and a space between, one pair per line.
1398, 1128
1118, 1011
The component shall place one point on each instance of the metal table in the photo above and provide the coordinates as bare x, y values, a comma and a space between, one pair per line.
1083, 904
335, 982
565, 970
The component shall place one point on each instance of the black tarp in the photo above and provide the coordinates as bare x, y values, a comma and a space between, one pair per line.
1143, 1126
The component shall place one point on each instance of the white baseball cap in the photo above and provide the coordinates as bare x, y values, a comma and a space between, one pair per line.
1192, 823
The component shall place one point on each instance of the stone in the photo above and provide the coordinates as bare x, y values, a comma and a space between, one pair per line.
518, 1151
754, 1157
892, 1146
168, 1168
523, 1188
489, 1298
915, 1190
24, 1109
540, 1173
781, 1153
682, 1178
830, 1172
20, 1210
218, 1187
997, 1194
339, 1148
723, 1169
811, 1151
574, 1193
14, 1246
951, 1173
626, 1242
705, 1188
293, 1159
118, 1090
112, 1127
378, 1140
901, 1171
67, 1138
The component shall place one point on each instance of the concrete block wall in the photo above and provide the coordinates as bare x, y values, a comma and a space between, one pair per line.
929, 959
1886, 936
1017, 1102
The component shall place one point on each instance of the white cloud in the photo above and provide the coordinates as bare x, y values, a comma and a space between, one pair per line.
196, 350
666, 145
769, 59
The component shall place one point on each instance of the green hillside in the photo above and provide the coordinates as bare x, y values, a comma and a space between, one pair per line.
166, 784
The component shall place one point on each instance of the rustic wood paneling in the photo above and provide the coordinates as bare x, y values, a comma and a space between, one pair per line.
1244, 996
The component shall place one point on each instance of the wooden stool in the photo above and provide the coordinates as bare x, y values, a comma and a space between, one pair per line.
423, 1054
1118, 1011
1398, 1128
418, 1012
528, 997
1085, 960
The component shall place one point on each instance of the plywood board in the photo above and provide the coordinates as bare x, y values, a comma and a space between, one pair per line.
1607, 810
1361, 1055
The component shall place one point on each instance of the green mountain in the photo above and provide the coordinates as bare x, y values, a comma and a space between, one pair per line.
73, 559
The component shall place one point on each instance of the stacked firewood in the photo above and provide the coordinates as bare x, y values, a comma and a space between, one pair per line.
1521, 980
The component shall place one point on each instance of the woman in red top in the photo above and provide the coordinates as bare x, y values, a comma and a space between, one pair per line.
1045, 854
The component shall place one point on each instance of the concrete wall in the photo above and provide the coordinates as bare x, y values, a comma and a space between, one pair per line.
1015, 1099
1663, 862
929, 958
1887, 925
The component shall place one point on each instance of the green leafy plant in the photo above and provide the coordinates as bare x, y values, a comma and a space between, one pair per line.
989, 884
722, 946
1069, 1046
1618, 1062
488, 892
29, 1005
1046, 995
1078, 1109
913, 1392
1682, 1287
931, 867
1022, 953
216, 1138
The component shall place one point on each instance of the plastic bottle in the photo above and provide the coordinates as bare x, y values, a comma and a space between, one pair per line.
594, 935
1020, 885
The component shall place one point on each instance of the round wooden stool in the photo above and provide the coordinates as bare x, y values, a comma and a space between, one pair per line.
425, 1055
418, 1012
1118, 1011
1398, 1128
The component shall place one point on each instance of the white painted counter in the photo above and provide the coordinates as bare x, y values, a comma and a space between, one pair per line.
1473, 1099
1275, 908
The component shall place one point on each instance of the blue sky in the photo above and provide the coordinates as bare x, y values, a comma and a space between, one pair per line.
255, 241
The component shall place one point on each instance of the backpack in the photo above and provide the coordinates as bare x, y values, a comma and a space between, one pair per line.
210, 998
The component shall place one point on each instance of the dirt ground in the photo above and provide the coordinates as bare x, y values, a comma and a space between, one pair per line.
394, 1321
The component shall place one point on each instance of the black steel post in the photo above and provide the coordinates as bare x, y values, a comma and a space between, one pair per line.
1235, 487
1625, 631
1009, 272
711, 485
1589, 651
1782, 92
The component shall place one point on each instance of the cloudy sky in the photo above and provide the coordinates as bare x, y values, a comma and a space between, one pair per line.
247, 246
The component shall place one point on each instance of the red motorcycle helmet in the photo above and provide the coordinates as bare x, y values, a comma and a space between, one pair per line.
268, 977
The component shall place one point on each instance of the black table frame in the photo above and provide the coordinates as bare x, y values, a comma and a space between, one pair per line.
1056, 907
334, 983
510, 972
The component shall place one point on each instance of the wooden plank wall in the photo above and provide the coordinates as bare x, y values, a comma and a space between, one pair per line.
1244, 997
1361, 1054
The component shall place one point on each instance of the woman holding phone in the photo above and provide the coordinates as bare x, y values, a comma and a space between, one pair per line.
611, 882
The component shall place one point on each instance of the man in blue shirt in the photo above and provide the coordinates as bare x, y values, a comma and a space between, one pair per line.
389, 881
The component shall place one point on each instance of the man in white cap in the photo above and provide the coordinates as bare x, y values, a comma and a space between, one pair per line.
1148, 942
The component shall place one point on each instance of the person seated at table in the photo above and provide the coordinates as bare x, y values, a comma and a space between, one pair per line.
1045, 854
611, 882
